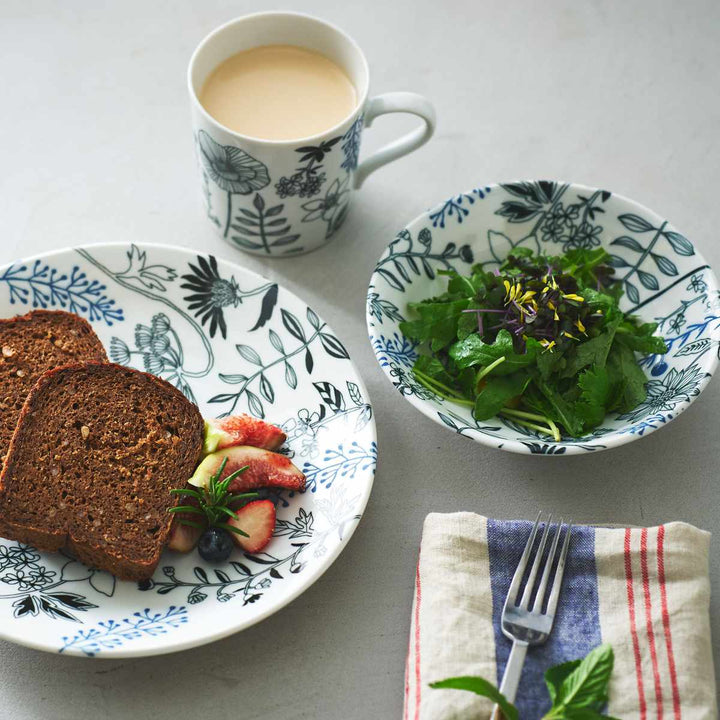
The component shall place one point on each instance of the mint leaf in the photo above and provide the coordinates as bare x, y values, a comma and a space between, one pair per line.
467, 382
472, 351
555, 676
551, 361
468, 322
438, 322
594, 384
483, 281
459, 284
641, 339
597, 300
627, 379
463, 286
555, 406
585, 688
591, 352
583, 263
578, 689
582, 714
496, 392
521, 252
481, 687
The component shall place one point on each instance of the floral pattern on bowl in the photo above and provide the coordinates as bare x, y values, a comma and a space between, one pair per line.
664, 277
232, 342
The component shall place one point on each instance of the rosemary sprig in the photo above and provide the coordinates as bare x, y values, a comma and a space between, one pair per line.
213, 502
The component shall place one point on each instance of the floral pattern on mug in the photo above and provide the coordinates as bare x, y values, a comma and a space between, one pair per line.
230, 168
331, 208
308, 179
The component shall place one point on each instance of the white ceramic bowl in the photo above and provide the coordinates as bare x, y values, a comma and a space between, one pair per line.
665, 279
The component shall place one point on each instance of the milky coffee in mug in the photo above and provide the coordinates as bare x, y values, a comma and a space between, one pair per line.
278, 92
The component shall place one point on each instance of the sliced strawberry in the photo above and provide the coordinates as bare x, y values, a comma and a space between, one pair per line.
242, 429
183, 538
264, 469
257, 519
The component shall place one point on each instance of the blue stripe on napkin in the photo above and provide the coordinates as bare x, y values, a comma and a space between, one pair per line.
577, 623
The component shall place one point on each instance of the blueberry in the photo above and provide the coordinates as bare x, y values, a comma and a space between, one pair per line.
659, 369
215, 545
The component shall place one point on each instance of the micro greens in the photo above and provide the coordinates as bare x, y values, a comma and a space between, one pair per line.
541, 341
213, 502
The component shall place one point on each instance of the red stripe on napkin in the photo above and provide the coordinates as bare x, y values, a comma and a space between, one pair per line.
418, 598
633, 627
649, 621
407, 681
666, 620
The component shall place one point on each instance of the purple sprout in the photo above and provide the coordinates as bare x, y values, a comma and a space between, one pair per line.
479, 312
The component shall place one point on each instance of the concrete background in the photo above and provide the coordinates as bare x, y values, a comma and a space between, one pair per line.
95, 146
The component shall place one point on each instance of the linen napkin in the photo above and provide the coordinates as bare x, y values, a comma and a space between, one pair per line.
643, 590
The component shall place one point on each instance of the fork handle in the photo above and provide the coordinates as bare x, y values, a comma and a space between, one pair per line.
511, 677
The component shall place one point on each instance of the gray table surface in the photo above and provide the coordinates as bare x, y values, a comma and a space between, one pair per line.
95, 146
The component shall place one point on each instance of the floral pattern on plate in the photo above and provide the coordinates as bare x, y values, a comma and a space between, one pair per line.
231, 341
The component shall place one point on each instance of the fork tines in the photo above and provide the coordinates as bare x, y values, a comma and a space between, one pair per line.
544, 561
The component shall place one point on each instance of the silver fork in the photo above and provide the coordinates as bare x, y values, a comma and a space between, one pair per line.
524, 623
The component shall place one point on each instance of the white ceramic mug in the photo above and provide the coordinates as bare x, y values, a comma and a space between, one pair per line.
281, 198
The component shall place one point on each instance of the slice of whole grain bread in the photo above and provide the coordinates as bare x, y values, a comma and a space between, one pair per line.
31, 344
97, 449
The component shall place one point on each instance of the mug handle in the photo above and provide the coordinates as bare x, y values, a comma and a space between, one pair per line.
396, 102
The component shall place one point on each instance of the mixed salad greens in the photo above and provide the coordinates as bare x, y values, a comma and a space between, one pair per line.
540, 341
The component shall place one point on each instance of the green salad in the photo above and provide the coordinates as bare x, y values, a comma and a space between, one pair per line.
541, 341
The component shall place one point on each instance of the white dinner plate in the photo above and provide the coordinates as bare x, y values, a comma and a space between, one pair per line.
232, 342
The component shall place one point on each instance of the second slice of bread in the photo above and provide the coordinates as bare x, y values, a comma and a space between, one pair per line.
31, 344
